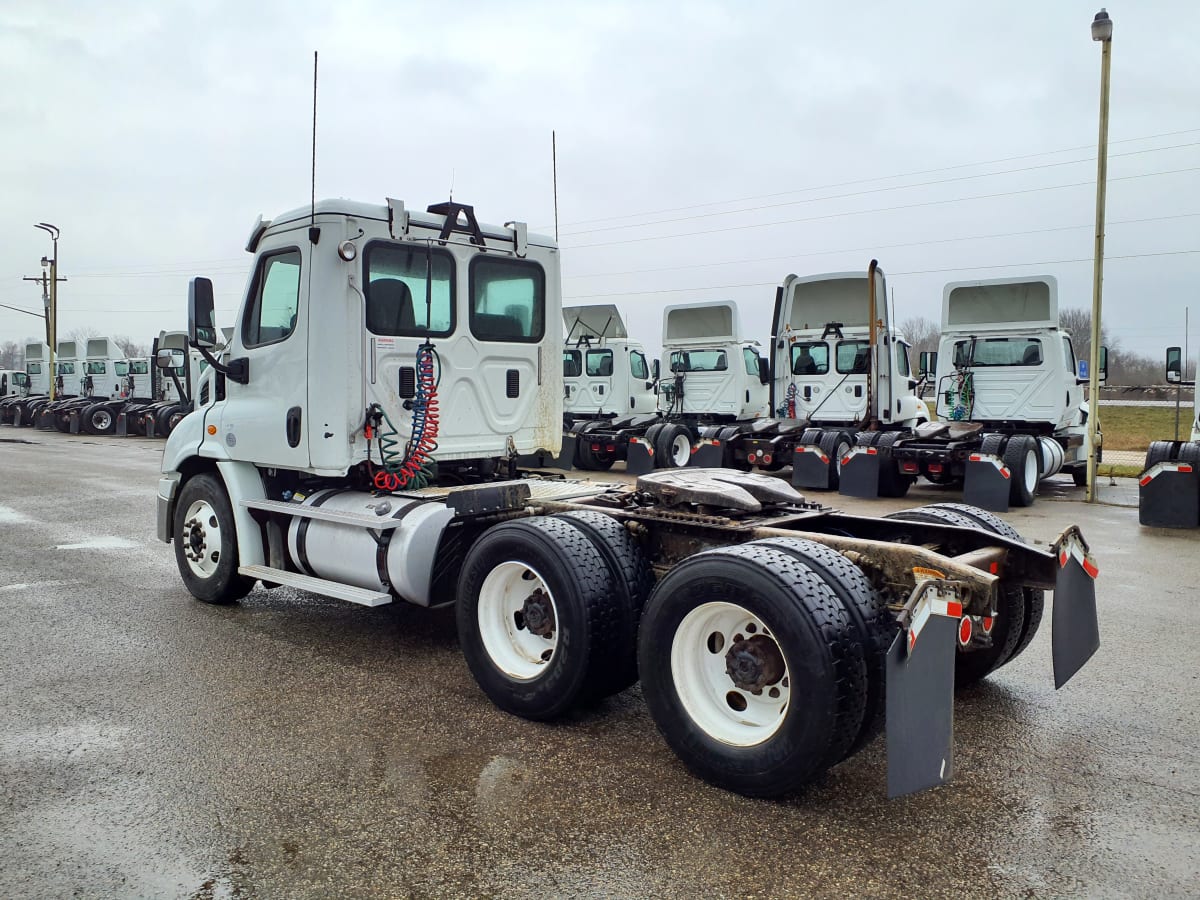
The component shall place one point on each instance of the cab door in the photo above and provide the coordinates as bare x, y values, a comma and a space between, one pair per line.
263, 421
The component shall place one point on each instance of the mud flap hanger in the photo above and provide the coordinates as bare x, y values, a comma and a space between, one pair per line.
1075, 627
920, 688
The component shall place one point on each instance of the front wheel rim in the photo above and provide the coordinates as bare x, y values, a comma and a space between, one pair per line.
681, 450
730, 674
518, 620
201, 539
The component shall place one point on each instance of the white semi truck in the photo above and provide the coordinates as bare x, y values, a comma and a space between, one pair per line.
608, 379
34, 387
1010, 405
356, 439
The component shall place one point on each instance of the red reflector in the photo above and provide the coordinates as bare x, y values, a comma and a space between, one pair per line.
767, 458
975, 457
994, 568
910, 467
871, 451
935, 468
988, 624
954, 610
1184, 469
1145, 480
964, 630
845, 459
612, 448
595, 448
1090, 567
1004, 471
1062, 560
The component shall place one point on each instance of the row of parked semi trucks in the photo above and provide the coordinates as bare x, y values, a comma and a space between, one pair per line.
832, 393
99, 390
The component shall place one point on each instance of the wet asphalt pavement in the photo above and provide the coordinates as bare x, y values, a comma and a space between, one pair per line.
298, 746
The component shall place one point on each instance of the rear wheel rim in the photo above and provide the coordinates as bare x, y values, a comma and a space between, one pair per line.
724, 708
201, 539
519, 644
101, 419
1031, 470
681, 450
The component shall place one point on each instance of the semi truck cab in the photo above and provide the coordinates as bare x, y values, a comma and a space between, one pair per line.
713, 372
605, 372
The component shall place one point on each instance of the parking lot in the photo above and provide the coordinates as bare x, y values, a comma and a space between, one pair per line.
299, 746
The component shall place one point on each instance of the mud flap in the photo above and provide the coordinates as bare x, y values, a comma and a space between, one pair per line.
1169, 496
920, 707
565, 459
639, 458
45, 420
707, 454
122, 425
860, 473
987, 482
17, 417
73, 423
811, 468
1075, 628
150, 426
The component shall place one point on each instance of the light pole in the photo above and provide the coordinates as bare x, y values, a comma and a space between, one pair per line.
1102, 28
52, 308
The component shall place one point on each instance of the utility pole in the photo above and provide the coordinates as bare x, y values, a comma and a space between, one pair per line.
50, 282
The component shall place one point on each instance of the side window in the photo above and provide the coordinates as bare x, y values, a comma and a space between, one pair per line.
274, 299
903, 369
750, 358
34, 368
508, 300
637, 365
121, 368
1068, 355
599, 363
853, 357
396, 290
572, 364
810, 358
94, 368
699, 361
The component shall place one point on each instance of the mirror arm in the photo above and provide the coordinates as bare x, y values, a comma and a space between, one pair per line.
238, 369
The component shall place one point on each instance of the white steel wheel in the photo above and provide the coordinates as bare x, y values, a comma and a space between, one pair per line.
681, 449
102, 420
201, 539
730, 674
518, 620
1031, 474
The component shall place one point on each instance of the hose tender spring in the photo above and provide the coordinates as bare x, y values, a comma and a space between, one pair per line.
412, 468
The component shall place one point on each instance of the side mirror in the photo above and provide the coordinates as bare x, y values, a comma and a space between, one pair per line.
764, 371
202, 330
168, 359
1103, 375
1174, 365
655, 369
927, 363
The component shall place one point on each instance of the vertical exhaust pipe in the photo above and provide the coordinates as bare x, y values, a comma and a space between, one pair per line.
869, 413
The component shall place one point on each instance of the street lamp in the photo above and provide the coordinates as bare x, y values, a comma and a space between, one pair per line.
52, 308
1102, 27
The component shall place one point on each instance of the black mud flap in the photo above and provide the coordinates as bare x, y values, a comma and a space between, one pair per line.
1075, 633
707, 454
17, 417
1169, 496
45, 420
639, 457
565, 459
150, 425
73, 422
920, 707
811, 468
987, 482
122, 425
860, 473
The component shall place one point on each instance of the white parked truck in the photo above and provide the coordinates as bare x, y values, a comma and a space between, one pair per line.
356, 439
32, 389
1010, 405
607, 379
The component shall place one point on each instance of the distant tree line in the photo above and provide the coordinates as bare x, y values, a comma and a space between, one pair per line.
1125, 367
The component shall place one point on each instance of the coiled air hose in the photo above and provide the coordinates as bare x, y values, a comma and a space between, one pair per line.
791, 400
412, 467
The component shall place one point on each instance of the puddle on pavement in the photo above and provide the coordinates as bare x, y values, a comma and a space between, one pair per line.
9, 516
100, 543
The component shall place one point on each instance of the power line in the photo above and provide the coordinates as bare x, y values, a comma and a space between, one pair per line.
838, 184
872, 191
759, 284
876, 247
862, 212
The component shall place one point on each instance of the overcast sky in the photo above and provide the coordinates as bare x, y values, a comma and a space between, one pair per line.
762, 138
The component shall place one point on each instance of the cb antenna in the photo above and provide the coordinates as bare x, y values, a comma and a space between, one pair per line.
314, 233
451, 184
554, 175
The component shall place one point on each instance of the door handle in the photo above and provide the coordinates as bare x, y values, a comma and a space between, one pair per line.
293, 426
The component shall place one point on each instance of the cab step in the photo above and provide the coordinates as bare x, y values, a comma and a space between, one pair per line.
336, 589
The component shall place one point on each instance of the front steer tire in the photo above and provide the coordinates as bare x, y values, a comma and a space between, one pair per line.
774, 608
537, 622
204, 526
